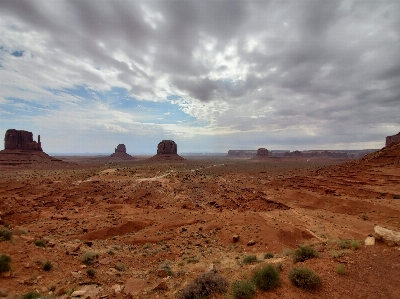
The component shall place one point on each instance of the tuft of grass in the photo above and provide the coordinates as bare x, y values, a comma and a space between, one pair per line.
146, 246
268, 255
303, 253
304, 278
243, 289
192, 259
341, 269
355, 244
47, 266
5, 234
347, 244
204, 285
266, 278
91, 272
30, 295
249, 259
5, 261
287, 251
89, 257
40, 243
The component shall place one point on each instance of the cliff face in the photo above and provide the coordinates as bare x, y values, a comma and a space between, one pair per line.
167, 147
262, 152
392, 139
22, 140
121, 148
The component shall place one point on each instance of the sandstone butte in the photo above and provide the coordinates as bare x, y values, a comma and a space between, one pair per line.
167, 150
120, 153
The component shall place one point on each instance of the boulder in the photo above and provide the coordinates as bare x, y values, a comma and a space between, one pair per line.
389, 236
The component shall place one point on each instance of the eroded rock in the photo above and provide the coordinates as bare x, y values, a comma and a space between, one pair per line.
389, 236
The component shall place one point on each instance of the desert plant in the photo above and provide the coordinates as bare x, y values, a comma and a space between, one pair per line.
30, 295
341, 269
5, 261
355, 244
91, 272
287, 251
266, 278
268, 255
249, 259
88, 257
243, 289
5, 234
304, 278
303, 253
47, 266
40, 243
204, 285
344, 244
192, 259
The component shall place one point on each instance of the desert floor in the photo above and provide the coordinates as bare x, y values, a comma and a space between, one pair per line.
147, 220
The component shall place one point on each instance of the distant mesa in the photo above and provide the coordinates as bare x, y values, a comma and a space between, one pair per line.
242, 153
22, 140
262, 153
392, 139
120, 153
167, 150
21, 150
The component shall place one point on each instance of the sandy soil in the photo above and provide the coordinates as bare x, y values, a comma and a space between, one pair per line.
138, 216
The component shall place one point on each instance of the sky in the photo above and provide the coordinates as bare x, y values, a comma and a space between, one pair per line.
211, 75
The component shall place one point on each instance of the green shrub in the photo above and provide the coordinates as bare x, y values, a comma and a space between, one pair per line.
40, 243
192, 259
287, 251
5, 261
249, 259
30, 295
268, 255
91, 272
243, 289
89, 257
5, 234
341, 269
304, 278
266, 278
203, 286
344, 244
47, 266
303, 253
355, 244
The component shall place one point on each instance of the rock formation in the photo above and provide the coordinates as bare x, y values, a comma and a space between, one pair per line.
21, 150
241, 153
22, 140
263, 152
167, 147
120, 152
167, 150
392, 139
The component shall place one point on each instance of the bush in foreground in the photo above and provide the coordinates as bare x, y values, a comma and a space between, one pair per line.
47, 266
204, 285
40, 243
5, 261
5, 234
304, 278
243, 289
303, 253
249, 259
266, 278
30, 295
89, 257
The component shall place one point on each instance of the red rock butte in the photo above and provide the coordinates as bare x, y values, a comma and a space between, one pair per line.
392, 139
167, 150
21, 150
120, 152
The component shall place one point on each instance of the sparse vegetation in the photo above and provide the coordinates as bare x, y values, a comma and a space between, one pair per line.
91, 272
203, 286
30, 295
287, 251
347, 244
120, 267
192, 259
5, 261
40, 243
89, 257
268, 255
243, 289
303, 253
249, 259
47, 266
396, 196
340, 269
5, 234
304, 278
266, 278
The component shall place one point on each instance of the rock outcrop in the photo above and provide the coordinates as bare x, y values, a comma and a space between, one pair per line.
241, 153
263, 152
120, 153
20, 150
167, 150
389, 236
392, 139
22, 140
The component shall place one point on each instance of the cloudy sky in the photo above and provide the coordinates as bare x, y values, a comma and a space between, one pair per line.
211, 75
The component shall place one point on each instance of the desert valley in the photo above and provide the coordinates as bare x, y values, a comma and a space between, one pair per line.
146, 227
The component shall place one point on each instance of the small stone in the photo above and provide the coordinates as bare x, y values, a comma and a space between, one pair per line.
369, 241
61, 291
77, 248
251, 243
3, 292
235, 238
116, 288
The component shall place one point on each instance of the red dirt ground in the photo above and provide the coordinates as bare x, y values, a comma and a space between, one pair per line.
142, 214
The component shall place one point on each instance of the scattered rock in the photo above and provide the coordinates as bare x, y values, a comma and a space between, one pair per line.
77, 248
116, 288
369, 241
87, 291
387, 235
235, 238
3, 292
251, 243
